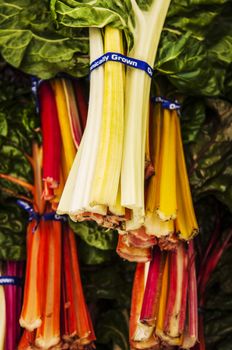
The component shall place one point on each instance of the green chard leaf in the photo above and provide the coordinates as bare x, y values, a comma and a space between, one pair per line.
95, 235
18, 128
30, 41
210, 155
90, 255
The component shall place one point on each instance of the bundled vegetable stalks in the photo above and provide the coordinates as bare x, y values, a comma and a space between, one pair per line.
106, 182
121, 147
54, 312
42, 293
169, 212
63, 111
164, 301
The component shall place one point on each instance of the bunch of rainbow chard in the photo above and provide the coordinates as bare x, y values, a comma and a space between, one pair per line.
121, 148
54, 312
164, 301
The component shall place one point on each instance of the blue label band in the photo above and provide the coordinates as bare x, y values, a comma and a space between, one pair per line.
128, 61
167, 104
10, 281
33, 215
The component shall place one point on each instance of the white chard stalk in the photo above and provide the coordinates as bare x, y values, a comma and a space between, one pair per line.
148, 27
76, 195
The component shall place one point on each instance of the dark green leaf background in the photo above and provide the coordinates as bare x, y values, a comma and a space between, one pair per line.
194, 60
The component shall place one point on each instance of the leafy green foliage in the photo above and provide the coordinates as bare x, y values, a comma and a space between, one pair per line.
198, 63
210, 166
18, 127
12, 232
94, 235
30, 41
91, 255
45, 42
96, 13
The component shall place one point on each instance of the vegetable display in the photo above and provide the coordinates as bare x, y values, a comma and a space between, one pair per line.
141, 169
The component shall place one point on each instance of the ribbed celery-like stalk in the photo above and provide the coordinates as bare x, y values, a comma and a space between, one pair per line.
153, 224
177, 297
163, 300
109, 157
140, 335
148, 27
191, 329
76, 195
31, 311
167, 205
48, 334
186, 223
155, 146
117, 209
151, 296
73, 114
66, 135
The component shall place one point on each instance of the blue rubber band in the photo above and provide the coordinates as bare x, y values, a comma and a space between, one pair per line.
118, 57
33, 215
10, 281
166, 104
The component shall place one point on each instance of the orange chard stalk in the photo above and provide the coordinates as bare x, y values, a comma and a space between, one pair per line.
19, 182
132, 253
78, 329
48, 334
31, 311
140, 239
37, 169
84, 325
27, 340
141, 337
69, 315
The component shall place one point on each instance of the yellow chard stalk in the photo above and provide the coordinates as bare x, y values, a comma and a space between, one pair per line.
153, 224
167, 205
109, 157
186, 223
68, 146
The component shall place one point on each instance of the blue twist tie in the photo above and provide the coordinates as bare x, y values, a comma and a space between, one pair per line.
166, 104
118, 57
10, 281
33, 215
